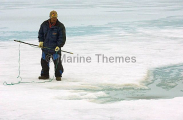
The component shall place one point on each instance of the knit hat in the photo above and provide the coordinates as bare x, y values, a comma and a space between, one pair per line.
53, 14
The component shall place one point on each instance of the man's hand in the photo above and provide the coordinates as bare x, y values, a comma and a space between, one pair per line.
57, 49
40, 45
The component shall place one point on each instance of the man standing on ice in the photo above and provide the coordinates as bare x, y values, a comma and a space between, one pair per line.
52, 37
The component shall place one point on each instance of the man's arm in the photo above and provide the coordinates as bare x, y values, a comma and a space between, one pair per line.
62, 36
41, 34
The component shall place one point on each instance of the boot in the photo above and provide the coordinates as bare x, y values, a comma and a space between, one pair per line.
58, 78
43, 77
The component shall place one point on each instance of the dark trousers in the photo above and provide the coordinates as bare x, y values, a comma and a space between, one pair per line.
45, 60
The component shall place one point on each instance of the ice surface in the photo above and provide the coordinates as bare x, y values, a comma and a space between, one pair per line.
150, 88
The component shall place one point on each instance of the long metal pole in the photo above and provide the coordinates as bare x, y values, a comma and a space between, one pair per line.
37, 46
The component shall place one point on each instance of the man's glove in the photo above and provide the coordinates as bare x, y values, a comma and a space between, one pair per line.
57, 49
40, 45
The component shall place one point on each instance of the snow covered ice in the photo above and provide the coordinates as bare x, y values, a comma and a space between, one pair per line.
149, 88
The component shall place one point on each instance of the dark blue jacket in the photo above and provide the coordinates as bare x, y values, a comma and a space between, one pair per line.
52, 37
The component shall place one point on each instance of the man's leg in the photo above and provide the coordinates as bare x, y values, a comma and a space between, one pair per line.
58, 65
45, 65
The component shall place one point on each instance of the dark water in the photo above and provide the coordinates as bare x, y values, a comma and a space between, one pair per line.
162, 83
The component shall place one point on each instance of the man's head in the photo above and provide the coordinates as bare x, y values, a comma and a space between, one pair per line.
53, 16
